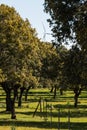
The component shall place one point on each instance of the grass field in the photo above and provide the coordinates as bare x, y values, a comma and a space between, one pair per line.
46, 118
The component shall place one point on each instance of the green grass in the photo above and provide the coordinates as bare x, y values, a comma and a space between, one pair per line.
42, 120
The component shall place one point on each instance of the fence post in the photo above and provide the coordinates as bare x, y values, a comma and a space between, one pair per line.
43, 105
68, 116
51, 116
45, 110
59, 118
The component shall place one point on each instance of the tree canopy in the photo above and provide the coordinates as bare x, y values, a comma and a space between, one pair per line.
18, 45
68, 20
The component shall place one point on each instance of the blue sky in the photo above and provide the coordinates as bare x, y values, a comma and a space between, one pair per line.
33, 10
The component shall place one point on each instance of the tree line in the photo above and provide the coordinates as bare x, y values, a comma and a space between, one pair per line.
27, 62
68, 20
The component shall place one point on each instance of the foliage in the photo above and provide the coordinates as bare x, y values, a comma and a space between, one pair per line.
68, 20
2, 76
81, 26
50, 67
18, 45
74, 66
73, 71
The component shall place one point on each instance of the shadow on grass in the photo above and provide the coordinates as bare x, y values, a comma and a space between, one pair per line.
63, 114
75, 114
4, 112
46, 125
70, 106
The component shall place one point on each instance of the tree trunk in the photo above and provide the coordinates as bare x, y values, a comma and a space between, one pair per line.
20, 97
5, 86
26, 93
61, 91
77, 92
16, 95
8, 101
52, 89
76, 100
13, 115
55, 92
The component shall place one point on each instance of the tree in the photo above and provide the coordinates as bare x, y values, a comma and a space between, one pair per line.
18, 52
68, 22
49, 63
73, 71
51, 66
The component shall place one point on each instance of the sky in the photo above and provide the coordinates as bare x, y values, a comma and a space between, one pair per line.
33, 10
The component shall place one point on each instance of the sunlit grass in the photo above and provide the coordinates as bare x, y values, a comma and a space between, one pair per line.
20, 128
43, 120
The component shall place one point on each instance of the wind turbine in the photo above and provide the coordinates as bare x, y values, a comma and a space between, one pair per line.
45, 33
